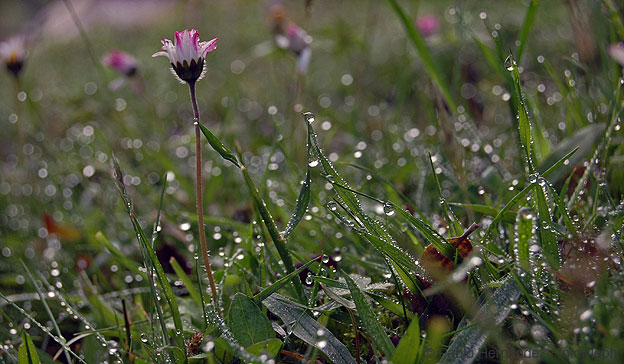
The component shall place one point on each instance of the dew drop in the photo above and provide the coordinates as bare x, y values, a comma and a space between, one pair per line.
332, 206
309, 117
389, 209
510, 63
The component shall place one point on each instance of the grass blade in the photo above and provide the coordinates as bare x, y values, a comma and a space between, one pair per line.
529, 19
524, 122
281, 282
216, 144
59, 340
547, 235
408, 349
369, 320
487, 210
277, 238
524, 232
307, 329
47, 309
304, 194
186, 280
151, 256
27, 352
471, 339
419, 43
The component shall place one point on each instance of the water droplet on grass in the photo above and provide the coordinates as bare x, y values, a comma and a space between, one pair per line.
332, 206
309, 117
389, 209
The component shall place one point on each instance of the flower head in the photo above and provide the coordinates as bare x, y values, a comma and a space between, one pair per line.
121, 62
13, 53
617, 52
427, 25
187, 54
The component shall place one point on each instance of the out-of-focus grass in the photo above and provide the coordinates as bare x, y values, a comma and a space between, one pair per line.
376, 108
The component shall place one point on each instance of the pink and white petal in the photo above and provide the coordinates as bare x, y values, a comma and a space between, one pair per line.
194, 40
209, 46
179, 46
161, 53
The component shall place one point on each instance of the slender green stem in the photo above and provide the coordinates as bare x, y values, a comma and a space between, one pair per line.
199, 204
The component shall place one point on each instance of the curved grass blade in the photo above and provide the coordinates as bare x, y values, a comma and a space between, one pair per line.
592, 162
301, 206
59, 340
151, 256
369, 319
306, 328
216, 144
47, 308
391, 185
121, 258
519, 195
186, 280
584, 139
277, 238
470, 340
421, 47
281, 282
524, 231
509, 216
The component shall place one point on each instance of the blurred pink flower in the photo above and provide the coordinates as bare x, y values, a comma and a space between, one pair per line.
121, 62
617, 52
427, 25
13, 53
187, 54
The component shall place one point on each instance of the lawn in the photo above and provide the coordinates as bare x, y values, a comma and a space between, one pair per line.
379, 181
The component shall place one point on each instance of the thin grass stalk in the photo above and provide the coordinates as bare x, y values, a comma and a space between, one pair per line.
199, 204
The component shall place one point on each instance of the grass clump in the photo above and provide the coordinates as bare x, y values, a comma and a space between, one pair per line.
398, 187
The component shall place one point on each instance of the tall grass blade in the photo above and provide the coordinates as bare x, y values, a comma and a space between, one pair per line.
527, 24
430, 65
304, 194
369, 320
151, 255
523, 235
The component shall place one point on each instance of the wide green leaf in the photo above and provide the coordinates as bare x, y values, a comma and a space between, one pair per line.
308, 330
247, 323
